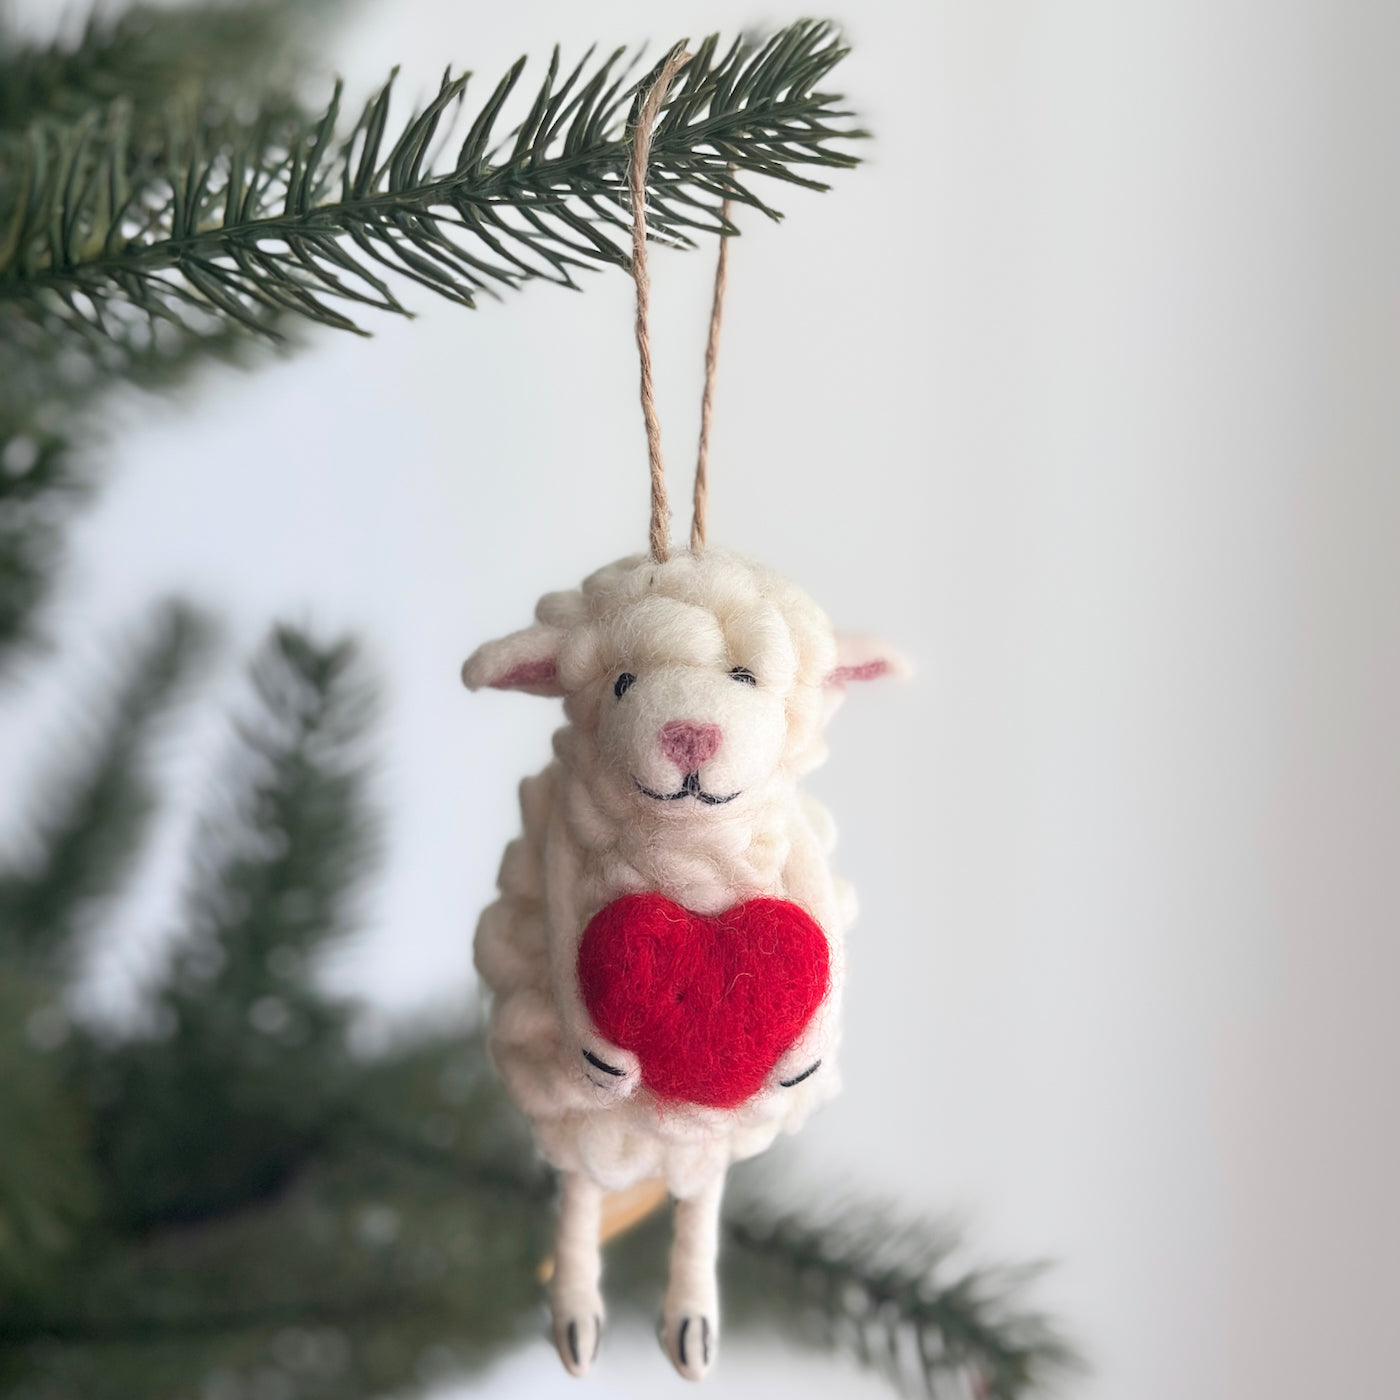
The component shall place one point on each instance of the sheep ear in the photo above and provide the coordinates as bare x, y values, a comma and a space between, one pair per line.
525, 660
861, 658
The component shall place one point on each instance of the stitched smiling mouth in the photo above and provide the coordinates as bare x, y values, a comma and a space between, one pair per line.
690, 788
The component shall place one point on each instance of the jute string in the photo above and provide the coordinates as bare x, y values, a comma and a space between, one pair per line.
707, 403
641, 156
660, 534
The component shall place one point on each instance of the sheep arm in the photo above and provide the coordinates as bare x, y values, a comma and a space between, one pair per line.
807, 880
571, 899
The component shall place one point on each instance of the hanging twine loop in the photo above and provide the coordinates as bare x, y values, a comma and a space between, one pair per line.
701, 498
660, 535
641, 156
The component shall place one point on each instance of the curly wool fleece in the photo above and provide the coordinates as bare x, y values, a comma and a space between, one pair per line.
668, 857
712, 645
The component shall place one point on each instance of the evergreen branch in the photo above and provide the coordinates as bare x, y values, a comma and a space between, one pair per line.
297, 770
873, 1286
43, 392
36, 480
146, 57
284, 216
246, 1077
500, 1181
48, 1191
94, 815
148, 61
438, 1104
875, 1294
378, 1262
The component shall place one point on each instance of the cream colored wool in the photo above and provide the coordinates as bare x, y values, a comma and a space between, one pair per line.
592, 834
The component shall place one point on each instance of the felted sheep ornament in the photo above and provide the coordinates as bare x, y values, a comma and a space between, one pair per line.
666, 956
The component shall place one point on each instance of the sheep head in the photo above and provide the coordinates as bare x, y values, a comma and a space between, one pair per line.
693, 681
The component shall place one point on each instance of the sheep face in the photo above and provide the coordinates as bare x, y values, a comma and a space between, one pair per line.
691, 683
688, 733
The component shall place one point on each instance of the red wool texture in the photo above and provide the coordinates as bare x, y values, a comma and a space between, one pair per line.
707, 1004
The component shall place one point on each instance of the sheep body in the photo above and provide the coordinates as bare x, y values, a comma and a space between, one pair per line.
583, 846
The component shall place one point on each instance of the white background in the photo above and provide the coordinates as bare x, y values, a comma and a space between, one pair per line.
1084, 391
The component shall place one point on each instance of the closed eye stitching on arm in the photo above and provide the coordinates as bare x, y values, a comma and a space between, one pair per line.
806, 1074
603, 1065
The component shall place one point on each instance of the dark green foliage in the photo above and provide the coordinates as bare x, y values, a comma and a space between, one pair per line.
144, 56
284, 213
381, 1265
48, 1188
46, 445
147, 64
36, 481
251, 1067
90, 817
239, 1192
865, 1282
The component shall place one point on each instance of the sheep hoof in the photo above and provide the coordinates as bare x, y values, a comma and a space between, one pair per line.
691, 1340
577, 1335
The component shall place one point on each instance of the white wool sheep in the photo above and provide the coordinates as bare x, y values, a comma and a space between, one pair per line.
696, 691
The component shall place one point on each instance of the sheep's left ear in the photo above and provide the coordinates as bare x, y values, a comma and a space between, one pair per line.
527, 660
861, 658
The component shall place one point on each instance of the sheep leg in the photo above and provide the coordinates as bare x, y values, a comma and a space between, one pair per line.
690, 1314
574, 1299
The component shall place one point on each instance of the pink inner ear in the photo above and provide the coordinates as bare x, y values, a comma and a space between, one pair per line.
866, 671
527, 673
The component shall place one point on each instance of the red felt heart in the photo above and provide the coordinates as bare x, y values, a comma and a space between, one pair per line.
707, 1004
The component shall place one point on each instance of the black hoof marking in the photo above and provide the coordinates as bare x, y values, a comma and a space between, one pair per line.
607, 1068
680, 1343
705, 1340
806, 1074
573, 1342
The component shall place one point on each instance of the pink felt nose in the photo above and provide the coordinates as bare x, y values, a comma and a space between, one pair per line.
689, 745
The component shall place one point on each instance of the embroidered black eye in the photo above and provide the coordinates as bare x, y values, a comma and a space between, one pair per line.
744, 675
624, 681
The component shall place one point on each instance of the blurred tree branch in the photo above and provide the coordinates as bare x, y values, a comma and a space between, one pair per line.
148, 62
145, 56
246, 1035
89, 823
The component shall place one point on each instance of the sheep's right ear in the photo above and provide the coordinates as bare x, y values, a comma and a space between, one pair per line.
526, 660
862, 658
